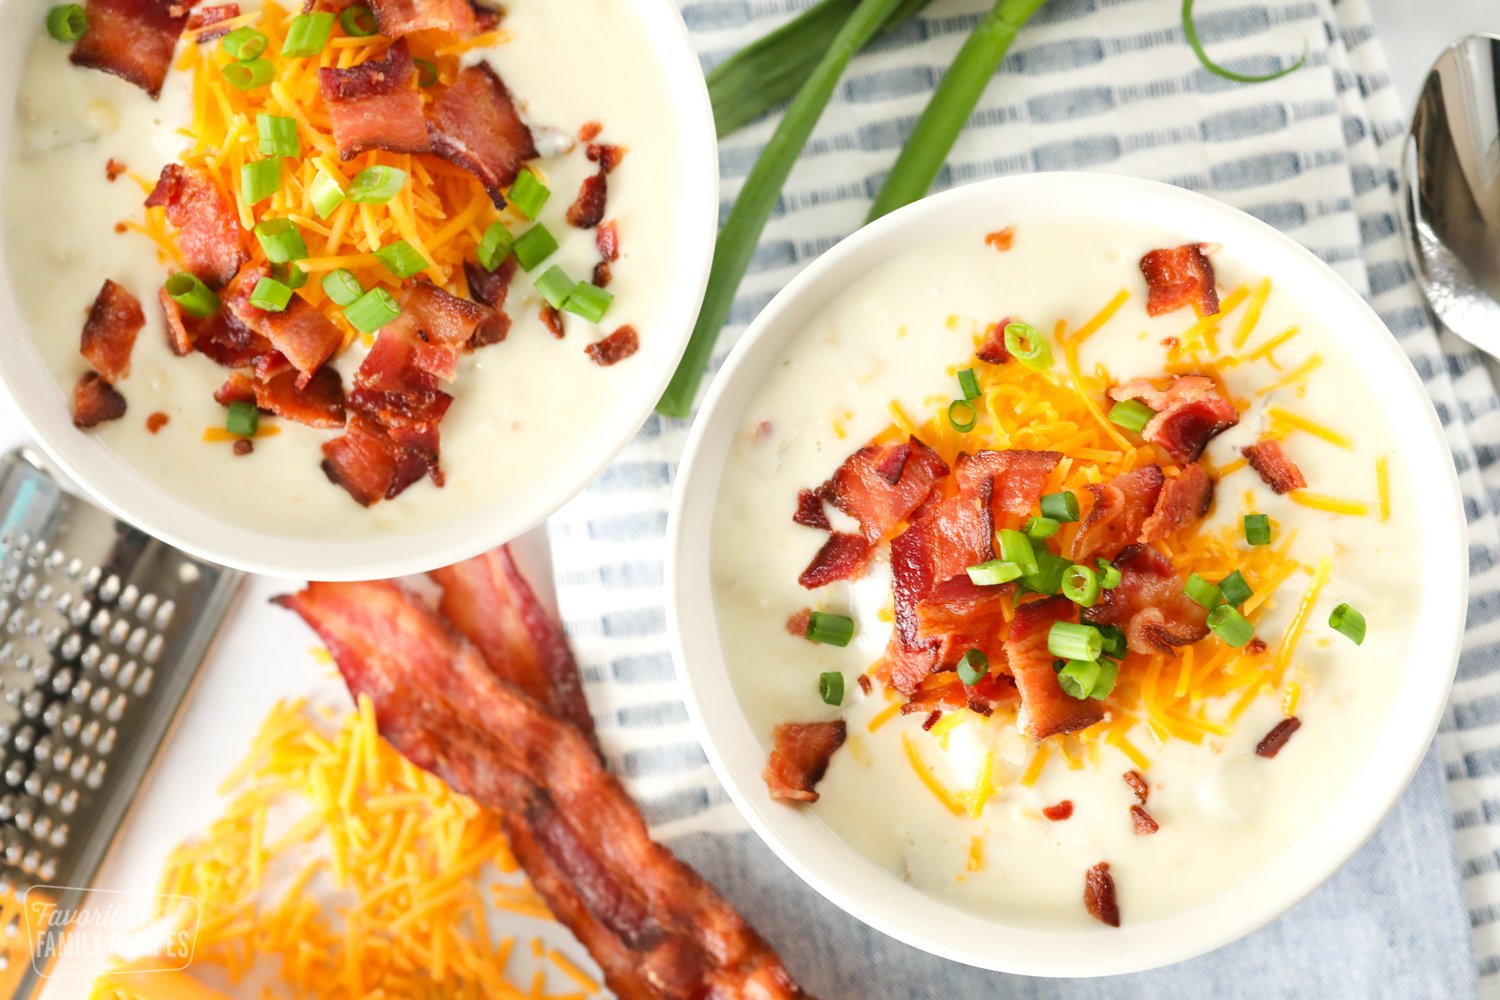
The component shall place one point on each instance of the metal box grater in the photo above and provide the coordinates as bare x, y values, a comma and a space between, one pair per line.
102, 630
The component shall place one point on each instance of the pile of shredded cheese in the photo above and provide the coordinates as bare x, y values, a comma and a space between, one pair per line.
327, 810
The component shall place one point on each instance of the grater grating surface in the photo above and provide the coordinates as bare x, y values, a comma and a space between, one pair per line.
102, 630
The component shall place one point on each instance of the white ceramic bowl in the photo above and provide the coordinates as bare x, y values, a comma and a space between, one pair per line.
111, 481
872, 893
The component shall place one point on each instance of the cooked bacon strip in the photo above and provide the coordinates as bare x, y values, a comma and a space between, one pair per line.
1017, 476
300, 332
402, 17
1121, 509
945, 691
799, 758
1063, 810
365, 462
1189, 413
880, 485
552, 320
1144, 824
664, 931
842, 557
375, 105
201, 21
607, 239
1099, 895
1138, 786
1179, 277
1184, 500
810, 512
95, 401
1049, 709
391, 387
320, 403
1271, 744
179, 337
491, 289
224, 339
208, 227
1269, 460
475, 125
607, 156
237, 388
133, 39
614, 348
490, 603
961, 616
439, 325
156, 421
1149, 605
993, 351
588, 210
109, 333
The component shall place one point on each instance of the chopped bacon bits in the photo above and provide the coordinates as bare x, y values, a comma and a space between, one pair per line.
810, 511
156, 421
109, 333
1256, 647
402, 17
879, 485
552, 320
491, 288
799, 758
113, 168
842, 557
607, 239
1138, 785
602, 275
797, 622
1184, 500
243, 447
615, 348
607, 156
376, 105
475, 125
1270, 462
993, 351
1049, 709
1144, 824
865, 684
931, 720
1001, 239
1189, 413
589, 131
202, 20
1122, 507
95, 401
1179, 277
1271, 744
300, 332
588, 210
208, 226
133, 39
1149, 604
1059, 812
1099, 895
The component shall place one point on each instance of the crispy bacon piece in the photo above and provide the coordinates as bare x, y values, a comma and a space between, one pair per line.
842, 557
475, 125
1269, 460
1271, 744
945, 691
657, 929
1049, 709
1184, 500
607, 156
1057, 813
993, 351
1099, 895
552, 320
320, 403
179, 337
402, 17
607, 239
109, 333
113, 168
880, 485
614, 348
1017, 476
208, 227
1138, 786
959, 616
133, 39
799, 758
362, 460
588, 210
156, 421
243, 447
1001, 239
237, 388
225, 340
810, 512
202, 20
300, 332
95, 401
797, 622
1144, 824
1256, 647
1149, 605
1121, 509
375, 105
1179, 277
491, 288
439, 324
1189, 413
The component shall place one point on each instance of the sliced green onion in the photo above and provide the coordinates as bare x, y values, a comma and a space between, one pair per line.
968, 384
1078, 677
1048, 577
962, 416
289, 275
1027, 346
1230, 626
307, 34
1114, 641
830, 630
1081, 586
244, 44
1109, 574
528, 194
1037, 528
494, 246
1109, 672
401, 259
1072, 641
277, 136
358, 21
1131, 414
281, 240
372, 310
534, 246
1203, 593
260, 179
555, 286
993, 573
270, 295
1234, 589
342, 287
972, 667
242, 419
1257, 529
249, 74
1191, 32
1349, 622
831, 687
324, 193
191, 295
376, 185
589, 301
1016, 547
427, 72
67, 23
1061, 506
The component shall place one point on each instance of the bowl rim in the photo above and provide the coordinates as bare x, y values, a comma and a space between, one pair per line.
875, 896
108, 479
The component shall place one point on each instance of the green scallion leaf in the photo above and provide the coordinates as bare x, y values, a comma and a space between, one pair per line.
249, 74
1234, 589
534, 246
993, 573
968, 384
1109, 672
270, 295
325, 193
358, 21
1078, 677
830, 630
555, 286
1061, 507
1131, 414
1047, 579
342, 287
281, 240
1072, 641
375, 185
372, 310
260, 179
289, 275
1109, 574
307, 34
1028, 346
831, 687
1081, 586
1230, 626
972, 667
191, 295
277, 136
1016, 547
67, 22
1115, 644
244, 44
1191, 31
494, 246
427, 72
1348, 622
1257, 529
401, 259
1203, 593
962, 416
242, 419
1037, 528
589, 301
528, 194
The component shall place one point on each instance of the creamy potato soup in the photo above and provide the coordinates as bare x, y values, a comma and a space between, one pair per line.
90, 145
1183, 706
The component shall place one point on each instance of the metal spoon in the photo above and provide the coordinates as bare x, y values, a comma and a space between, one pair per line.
1451, 190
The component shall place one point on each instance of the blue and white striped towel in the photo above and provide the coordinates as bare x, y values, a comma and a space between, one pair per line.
1108, 85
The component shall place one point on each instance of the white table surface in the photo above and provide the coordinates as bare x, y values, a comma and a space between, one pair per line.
264, 653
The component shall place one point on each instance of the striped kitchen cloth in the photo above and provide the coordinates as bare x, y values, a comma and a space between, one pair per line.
1106, 85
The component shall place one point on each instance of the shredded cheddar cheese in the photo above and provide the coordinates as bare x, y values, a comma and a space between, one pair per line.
1383, 488
1333, 505
1283, 420
950, 801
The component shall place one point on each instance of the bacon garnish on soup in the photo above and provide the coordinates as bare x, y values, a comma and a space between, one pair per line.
1182, 276
1189, 413
1276, 470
